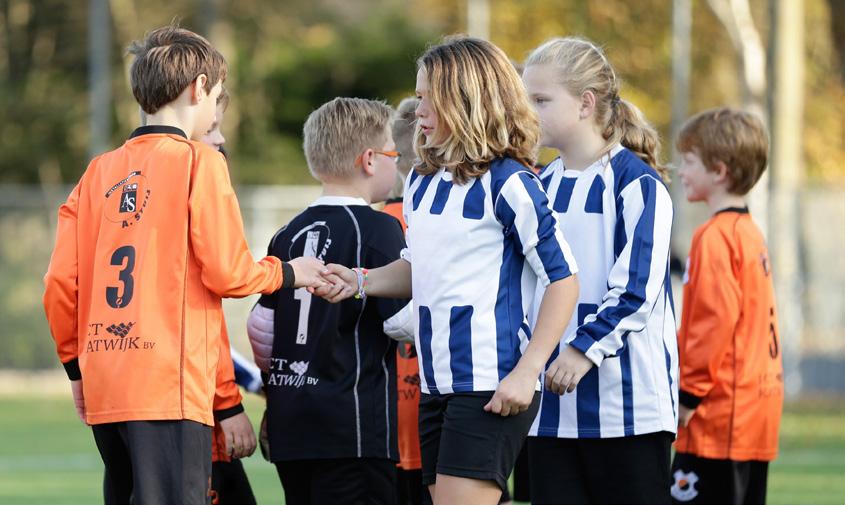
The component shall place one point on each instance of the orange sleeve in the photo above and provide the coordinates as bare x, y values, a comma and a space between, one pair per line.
217, 236
61, 287
227, 396
710, 315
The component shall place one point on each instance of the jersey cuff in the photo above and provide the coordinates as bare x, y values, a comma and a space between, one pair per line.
689, 400
288, 277
223, 414
72, 369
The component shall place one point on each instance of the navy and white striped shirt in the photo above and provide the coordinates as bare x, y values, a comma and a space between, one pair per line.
621, 213
477, 251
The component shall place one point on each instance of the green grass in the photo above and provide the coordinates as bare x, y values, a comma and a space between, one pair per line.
48, 456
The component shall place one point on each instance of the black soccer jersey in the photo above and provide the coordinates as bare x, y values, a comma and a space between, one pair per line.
331, 387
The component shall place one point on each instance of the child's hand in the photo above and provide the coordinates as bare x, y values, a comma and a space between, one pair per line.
514, 394
566, 370
342, 283
240, 438
684, 415
306, 271
78, 399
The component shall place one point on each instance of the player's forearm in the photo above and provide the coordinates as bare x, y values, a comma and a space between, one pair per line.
390, 281
556, 309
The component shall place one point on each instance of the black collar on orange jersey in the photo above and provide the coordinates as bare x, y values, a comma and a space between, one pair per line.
738, 210
157, 128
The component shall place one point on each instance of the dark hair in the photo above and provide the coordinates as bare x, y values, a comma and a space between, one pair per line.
167, 61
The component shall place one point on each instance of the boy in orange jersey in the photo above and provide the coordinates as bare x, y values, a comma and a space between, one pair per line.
147, 243
731, 381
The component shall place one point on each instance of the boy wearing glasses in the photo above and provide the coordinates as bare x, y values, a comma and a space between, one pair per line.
331, 372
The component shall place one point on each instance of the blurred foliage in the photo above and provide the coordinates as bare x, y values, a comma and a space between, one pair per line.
287, 58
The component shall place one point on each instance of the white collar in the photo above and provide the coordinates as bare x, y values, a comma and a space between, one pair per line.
339, 200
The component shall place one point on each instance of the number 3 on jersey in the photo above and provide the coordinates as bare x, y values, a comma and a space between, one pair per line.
114, 297
312, 240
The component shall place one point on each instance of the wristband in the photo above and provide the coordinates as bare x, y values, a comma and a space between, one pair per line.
362, 274
288, 277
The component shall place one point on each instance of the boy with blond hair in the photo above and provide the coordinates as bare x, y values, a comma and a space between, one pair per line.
731, 381
147, 243
331, 384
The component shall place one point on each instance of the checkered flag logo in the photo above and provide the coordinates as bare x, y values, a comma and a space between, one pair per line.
120, 330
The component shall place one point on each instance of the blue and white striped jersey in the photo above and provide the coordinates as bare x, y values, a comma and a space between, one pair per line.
247, 375
618, 214
477, 252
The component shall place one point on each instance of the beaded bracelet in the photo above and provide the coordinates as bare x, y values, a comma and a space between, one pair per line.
362, 274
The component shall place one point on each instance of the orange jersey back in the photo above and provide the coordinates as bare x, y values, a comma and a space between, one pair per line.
407, 385
148, 242
729, 345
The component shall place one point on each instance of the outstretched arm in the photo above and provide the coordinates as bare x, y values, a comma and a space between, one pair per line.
389, 281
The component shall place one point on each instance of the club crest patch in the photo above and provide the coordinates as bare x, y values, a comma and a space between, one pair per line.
684, 487
127, 200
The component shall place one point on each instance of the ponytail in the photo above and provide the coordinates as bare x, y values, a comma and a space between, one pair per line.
628, 126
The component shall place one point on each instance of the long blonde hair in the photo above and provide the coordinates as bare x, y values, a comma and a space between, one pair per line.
582, 66
481, 104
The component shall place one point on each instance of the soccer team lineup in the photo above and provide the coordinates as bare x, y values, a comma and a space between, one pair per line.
450, 321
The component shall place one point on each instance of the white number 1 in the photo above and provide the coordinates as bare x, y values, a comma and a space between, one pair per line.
302, 294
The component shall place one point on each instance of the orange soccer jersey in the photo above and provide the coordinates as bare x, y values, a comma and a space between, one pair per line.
148, 242
407, 385
731, 369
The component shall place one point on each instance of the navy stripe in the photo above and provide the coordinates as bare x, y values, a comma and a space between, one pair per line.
420, 192
584, 310
548, 248
413, 177
642, 244
474, 201
550, 407
441, 196
669, 373
627, 168
667, 285
508, 308
627, 387
587, 405
620, 236
588, 400
595, 197
460, 347
425, 349
564, 194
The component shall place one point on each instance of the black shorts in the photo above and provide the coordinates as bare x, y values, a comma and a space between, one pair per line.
458, 438
703, 480
229, 484
155, 461
600, 470
353, 481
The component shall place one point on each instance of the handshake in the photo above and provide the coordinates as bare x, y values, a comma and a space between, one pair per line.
333, 282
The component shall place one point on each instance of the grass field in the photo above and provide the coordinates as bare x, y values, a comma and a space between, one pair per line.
48, 456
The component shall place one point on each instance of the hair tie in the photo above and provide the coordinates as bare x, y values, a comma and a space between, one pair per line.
615, 101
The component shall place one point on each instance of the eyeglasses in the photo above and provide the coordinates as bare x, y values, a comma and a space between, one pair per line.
396, 155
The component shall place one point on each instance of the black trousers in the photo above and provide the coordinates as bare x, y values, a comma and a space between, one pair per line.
229, 484
703, 480
409, 488
155, 462
625, 470
352, 481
